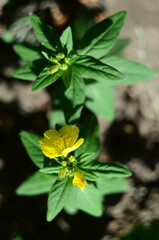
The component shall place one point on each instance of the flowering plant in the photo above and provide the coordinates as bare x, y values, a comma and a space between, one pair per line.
73, 180
69, 170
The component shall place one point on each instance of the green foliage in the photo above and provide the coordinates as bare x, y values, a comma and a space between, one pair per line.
99, 39
28, 54
86, 71
31, 144
62, 194
89, 67
65, 42
36, 184
89, 200
114, 185
82, 22
100, 100
57, 197
133, 71
61, 57
44, 33
90, 132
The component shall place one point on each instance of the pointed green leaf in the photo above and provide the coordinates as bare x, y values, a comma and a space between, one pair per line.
76, 91
65, 43
89, 67
133, 71
73, 99
114, 185
31, 144
86, 157
99, 39
57, 117
119, 47
83, 20
25, 73
28, 54
108, 169
89, 200
90, 133
57, 197
44, 33
45, 79
90, 175
70, 204
50, 170
38, 183
67, 76
100, 100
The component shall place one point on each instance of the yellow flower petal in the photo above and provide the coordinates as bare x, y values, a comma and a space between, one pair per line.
79, 180
60, 143
74, 147
51, 144
70, 135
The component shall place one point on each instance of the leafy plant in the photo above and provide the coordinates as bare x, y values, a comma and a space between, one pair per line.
69, 170
57, 58
73, 182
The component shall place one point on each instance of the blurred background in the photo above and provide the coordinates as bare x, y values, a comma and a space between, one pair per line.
132, 138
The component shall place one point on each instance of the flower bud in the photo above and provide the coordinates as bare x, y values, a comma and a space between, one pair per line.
62, 172
64, 66
54, 69
60, 56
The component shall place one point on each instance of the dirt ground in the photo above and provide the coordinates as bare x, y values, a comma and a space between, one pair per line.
133, 138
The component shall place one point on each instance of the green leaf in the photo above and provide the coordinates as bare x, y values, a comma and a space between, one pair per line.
73, 99
70, 205
83, 20
31, 144
76, 91
38, 183
44, 33
86, 157
72, 114
45, 79
100, 100
89, 200
57, 117
57, 197
67, 76
90, 133
133, 71
99, 39
108, 169
28, 54
114, 185
65, 43
89, 67
90, 176
70, 208
119, 47
51, 170
25, 73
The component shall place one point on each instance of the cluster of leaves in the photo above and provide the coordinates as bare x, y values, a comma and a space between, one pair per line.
87, 71
87, 68
102, 178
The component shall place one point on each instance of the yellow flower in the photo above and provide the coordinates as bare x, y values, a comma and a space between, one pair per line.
79, 180
60, 143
